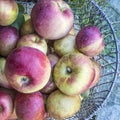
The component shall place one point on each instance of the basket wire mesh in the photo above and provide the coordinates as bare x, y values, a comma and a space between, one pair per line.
89, 13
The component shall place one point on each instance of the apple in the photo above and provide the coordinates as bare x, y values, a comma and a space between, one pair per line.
8, 12
89, 41
70, 73
34, 41
97, 69
8, 39
60, 106
27, 69
30, 106
50, 86
3, 80
6, 105
65, 45
52, 19
26, 16
27, 28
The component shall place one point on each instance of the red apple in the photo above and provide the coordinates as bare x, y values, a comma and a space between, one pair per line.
89, 41
97, 69
65, 45
34, 41
8, 39
27, 69
70, 73
8, 12
52, 19
50, 86
6, 105
60, 106
30, 106
3, 80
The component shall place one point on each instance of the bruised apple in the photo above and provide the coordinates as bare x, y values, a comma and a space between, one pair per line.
34, 41
8, 12
50, 86
8, 39
52, 19
30, 106
89, 41
27, 69
60, 106
73, 73
27, 28
3, 80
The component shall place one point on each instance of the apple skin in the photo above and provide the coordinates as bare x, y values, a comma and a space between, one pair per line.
30, 106
27, 28
34, 41
65, 45
6, 105
70, 73
97, 69
27, 69
8, 39
3, 80
50, 86
50, 15
90, 41
8, 12
60, 106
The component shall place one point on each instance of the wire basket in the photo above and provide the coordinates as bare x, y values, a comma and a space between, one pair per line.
89, 13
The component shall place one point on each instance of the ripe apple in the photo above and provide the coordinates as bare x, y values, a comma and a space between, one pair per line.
27, 69
30, 106
50, 86
27, 28
3, 80
6, 105
8, 39
60, 106
34, 41
8, 12
70, 73
52, 19
97, 69
89, 41
65, 45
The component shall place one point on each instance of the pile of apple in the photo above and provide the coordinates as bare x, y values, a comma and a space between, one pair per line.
45, 66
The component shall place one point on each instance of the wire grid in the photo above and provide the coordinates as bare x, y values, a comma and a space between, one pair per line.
89, 13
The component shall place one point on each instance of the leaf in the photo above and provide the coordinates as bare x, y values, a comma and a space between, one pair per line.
20, 18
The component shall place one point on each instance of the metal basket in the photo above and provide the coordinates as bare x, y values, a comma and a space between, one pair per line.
89, 13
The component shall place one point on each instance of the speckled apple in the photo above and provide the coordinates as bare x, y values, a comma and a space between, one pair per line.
73, 73
60, 106
30, 106
89, 41
34, 41
8, 39
6, 105
27, 69
8, 12
52, 19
